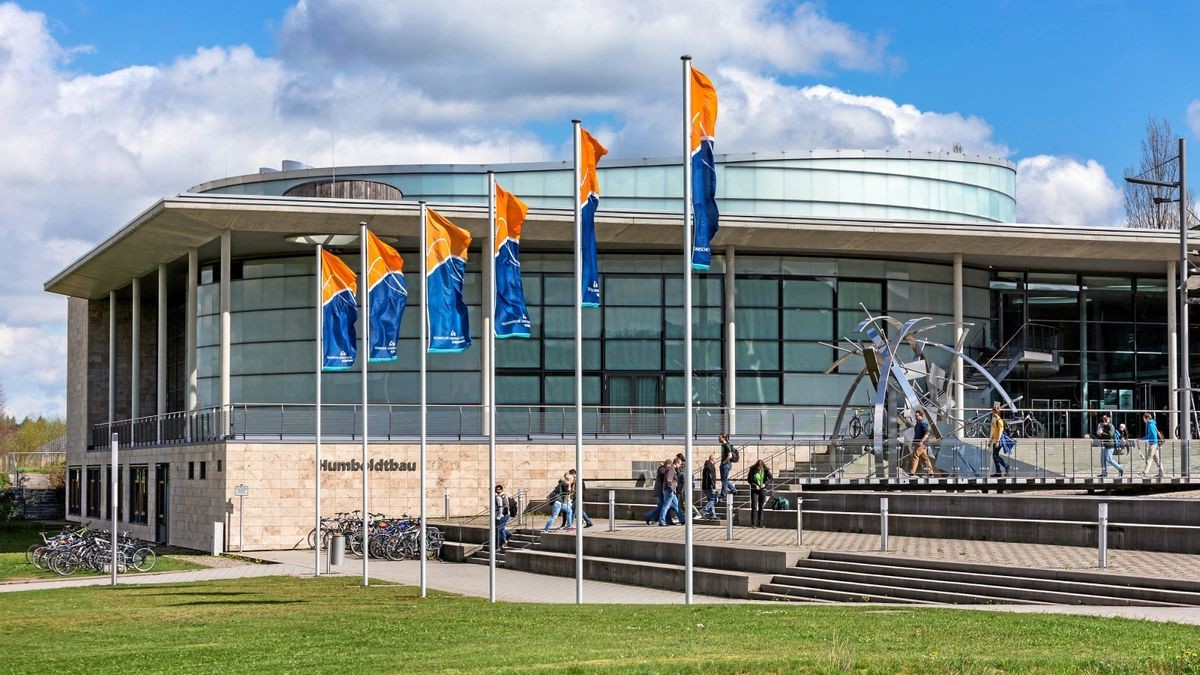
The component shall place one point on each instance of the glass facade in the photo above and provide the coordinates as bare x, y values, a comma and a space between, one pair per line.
846, 184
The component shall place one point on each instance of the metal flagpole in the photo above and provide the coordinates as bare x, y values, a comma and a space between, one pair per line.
578, 369
687, 326
364, 304
320, 365
489, 343
112, 502
424, 345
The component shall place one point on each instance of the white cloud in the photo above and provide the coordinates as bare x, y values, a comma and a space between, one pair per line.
1193, 116
1065, 191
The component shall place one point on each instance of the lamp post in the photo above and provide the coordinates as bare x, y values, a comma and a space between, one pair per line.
1185, 378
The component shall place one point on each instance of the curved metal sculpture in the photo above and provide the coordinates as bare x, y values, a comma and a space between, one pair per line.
921, 383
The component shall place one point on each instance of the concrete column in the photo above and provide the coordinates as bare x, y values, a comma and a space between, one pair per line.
112, 357
192, 395
135, 350
160, 352
959, 392
1173, 394
226, 282
730, 340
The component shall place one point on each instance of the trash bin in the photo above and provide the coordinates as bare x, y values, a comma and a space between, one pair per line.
337, 549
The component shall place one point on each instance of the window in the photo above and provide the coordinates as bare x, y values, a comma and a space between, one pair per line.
191, 470
139, 507
93, 492
74, 487
220, 466
203, 470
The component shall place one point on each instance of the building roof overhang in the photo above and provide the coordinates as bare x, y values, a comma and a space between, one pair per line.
171, 227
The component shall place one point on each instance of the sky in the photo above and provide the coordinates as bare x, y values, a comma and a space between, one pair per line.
106, 106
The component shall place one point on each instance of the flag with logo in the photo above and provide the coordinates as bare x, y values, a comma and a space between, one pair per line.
388, 295
339, 311
704, 171
590, 152
446, 263
512, 318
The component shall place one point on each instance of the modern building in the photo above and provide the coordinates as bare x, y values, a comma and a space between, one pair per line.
191, 330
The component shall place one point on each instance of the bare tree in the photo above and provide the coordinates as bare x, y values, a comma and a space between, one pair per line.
1160, 147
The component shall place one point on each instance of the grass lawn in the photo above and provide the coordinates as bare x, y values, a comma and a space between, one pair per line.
287, 624
17, 538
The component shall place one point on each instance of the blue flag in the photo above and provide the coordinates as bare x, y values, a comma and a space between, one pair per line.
339, 311
512, 317
388, 295
590, 152
704, 169
446, 264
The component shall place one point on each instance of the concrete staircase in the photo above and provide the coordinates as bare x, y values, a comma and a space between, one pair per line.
849, 577
519, 540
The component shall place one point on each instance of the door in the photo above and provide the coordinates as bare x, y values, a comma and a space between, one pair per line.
633, 405
162, 493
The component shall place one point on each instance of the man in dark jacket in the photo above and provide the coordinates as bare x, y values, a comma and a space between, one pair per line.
660, 478
708, 483
727, 485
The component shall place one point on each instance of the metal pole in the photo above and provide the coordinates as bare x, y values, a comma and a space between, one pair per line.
728, 517
687, 328
446, 503
800, 516
883, 524
364, 311
317, 434
112, 503
612, 510
578, 363
1185, 375
241, 520
226, 327
423, 237
1102, 532
489, 342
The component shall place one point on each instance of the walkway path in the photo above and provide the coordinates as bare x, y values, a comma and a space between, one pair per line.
219, 572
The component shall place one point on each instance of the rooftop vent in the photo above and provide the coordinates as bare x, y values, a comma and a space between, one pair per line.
293, 165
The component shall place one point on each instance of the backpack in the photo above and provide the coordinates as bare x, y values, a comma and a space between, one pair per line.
512, 507
782, 504
734, 456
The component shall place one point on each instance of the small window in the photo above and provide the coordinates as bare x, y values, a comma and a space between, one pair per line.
219, 466
203, 470
191, 470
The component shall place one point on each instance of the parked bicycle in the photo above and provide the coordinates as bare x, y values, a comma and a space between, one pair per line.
389, 538
861, 424
83, 548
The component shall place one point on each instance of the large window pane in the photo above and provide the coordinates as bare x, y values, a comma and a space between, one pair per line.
633, 322
757, 324
707, 390
632, 355
757, 292
518, 353
806, 357
644, 290
707, 290
851, 293
706, 322
816, 293
757, 390
757, 355
560, 354
518, 389
560, 322
706, 355
560, 390
808, 324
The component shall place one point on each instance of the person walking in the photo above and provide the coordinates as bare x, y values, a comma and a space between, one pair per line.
1109, 437
577, 485
503, 514
920, 443
727, 452
708, 483
758, 476
561, 498
660, 480
1153, 445
998, 460
671, 487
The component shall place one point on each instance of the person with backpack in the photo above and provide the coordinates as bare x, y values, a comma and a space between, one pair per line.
660, 481
1109, 437
504, 511
758, 476
560, 497
577, 485
708, 483
1153, 444
729, 455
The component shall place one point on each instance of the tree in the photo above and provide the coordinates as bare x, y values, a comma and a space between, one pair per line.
1160, 147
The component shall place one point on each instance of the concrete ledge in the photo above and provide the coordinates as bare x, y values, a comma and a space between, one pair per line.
720, 583
453, 551
714, 556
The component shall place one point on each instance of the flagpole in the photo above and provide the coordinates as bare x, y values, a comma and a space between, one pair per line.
424, 394
489, 342
687, 326
578, 369
364, 304
320, 364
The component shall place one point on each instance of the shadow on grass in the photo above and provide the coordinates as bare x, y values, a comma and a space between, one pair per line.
197, 592
198, 603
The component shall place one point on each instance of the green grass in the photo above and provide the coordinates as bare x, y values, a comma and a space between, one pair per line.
17, 538
283, 624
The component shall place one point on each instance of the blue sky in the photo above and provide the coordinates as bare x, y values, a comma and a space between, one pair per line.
106, 106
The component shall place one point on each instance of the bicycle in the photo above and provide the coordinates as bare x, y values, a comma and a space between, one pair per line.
861, 425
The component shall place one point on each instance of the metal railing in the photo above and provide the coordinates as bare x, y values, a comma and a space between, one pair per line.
198, 426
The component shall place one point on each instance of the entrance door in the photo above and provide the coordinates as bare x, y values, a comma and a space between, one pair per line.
162, 492
633, 405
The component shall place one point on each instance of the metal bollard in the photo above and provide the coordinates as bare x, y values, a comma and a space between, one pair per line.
337, 550
612, 510
1102, 531
883, 524
728, 517
800, 518
446, 503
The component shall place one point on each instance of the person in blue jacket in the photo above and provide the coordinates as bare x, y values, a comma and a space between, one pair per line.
1153, 444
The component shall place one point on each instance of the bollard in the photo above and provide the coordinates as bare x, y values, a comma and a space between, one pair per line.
446, 503
800, 518
337, 551
883, 524
728, 517
1102, 532
612, 510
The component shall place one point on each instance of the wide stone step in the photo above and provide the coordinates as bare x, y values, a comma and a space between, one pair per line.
886, 587
782, 597
797, 591
705, 581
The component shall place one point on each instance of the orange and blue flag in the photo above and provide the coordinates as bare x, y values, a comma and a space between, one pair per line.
388, 295
703, 118
512, 317
445, 266
339, 311
590, 152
